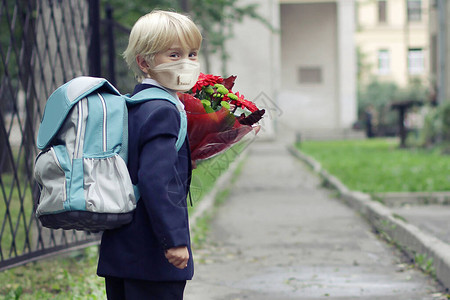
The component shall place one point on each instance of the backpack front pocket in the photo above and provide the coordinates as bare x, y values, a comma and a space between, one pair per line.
107, 186
52, 180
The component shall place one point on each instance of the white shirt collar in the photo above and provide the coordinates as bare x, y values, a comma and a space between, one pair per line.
156, 83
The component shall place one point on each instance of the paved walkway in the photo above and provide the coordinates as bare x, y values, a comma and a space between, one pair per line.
280, 235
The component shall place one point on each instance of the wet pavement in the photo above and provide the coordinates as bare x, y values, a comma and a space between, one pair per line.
280, 235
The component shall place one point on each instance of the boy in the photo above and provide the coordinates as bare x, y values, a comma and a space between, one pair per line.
150, 258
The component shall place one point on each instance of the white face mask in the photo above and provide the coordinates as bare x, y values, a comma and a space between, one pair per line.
180, 75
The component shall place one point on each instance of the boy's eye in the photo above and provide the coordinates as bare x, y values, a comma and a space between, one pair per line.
193, 54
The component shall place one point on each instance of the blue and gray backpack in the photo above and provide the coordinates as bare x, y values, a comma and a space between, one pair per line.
82, 168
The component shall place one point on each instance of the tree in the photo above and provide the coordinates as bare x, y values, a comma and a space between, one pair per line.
380, 94
217, 19
214, 17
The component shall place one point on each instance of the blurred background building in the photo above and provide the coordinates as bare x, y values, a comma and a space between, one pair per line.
323, 55
393, 39
306, 67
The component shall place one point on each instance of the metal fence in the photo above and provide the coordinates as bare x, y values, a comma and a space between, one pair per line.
43, 43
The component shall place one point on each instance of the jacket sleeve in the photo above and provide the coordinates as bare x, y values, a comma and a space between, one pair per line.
160, 185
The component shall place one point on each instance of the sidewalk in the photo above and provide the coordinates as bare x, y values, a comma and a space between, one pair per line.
280, 235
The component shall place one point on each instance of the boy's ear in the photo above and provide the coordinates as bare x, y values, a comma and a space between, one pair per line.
142, 63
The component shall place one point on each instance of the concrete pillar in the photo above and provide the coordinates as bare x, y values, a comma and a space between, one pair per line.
448, 52
442, 51
346, 64
254, 56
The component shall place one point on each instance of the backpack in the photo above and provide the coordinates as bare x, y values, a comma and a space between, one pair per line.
82, 167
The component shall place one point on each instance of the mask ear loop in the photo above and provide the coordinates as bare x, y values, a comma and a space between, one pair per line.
145, 63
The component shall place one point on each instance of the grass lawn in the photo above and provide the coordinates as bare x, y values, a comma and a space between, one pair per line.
74, 276
379, 165
16, 220
67, 277
208, 171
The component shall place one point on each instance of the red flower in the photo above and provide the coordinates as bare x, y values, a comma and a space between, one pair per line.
206, 80
242, 102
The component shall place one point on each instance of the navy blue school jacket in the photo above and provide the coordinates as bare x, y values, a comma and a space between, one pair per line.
160, 220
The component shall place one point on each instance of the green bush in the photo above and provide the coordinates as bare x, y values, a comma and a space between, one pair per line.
436, 129
375, 97
445, 117
380, 94
431, 128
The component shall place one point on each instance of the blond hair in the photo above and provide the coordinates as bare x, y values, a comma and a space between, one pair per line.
156, 32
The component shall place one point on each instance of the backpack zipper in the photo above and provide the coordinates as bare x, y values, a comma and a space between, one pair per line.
79, 129
104, 120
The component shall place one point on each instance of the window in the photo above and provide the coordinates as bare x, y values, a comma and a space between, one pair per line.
416, 61
382, 11
310, 75
383, 62
414, 10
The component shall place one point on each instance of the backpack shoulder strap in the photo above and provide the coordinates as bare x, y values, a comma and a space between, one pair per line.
156, 93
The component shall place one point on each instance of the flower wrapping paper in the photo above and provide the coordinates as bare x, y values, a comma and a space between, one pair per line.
210, 133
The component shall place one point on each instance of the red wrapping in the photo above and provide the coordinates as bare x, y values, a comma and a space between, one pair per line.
210, 133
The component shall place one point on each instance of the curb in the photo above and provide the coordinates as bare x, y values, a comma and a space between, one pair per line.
408, 237
396, 199
207, 202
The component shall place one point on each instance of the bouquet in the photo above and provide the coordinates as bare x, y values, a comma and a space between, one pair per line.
213, 123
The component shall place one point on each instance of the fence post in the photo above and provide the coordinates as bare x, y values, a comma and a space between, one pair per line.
95, 62
185, 6
111, 44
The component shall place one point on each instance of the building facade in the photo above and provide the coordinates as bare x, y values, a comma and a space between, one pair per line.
305, 70
392, 38
318, 66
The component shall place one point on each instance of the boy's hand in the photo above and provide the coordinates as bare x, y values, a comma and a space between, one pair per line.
178, 256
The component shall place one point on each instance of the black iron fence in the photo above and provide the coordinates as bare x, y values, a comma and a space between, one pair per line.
43, 43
